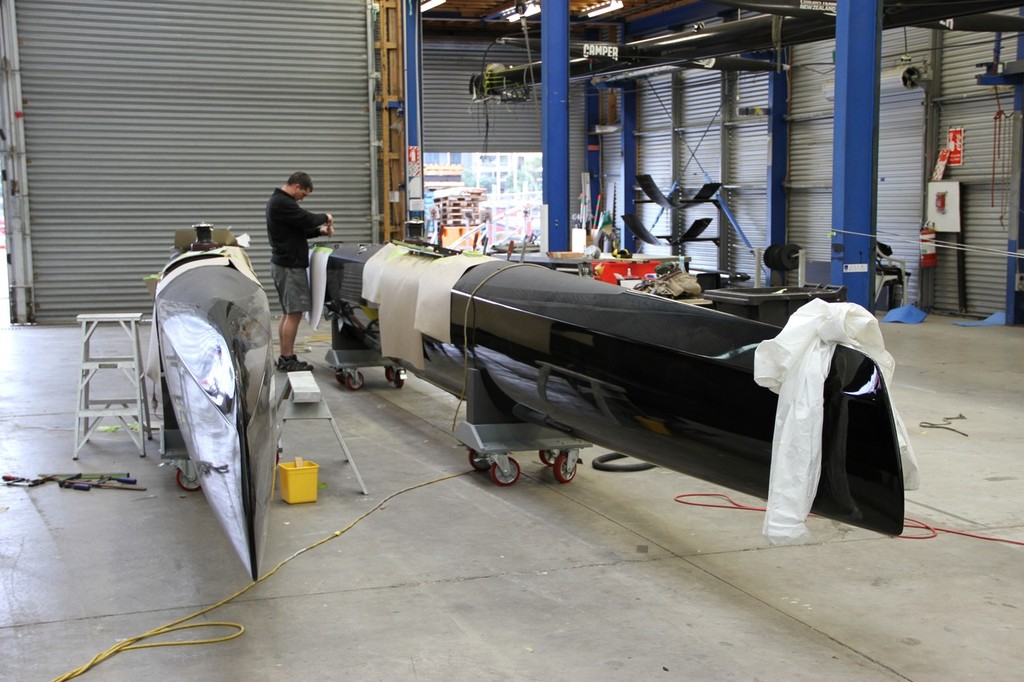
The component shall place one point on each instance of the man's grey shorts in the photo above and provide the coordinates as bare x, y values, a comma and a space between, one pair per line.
292, 286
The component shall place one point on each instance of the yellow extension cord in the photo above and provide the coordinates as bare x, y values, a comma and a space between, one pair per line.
132, 643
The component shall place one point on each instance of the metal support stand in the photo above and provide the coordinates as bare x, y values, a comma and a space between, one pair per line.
91, 411
301, 399
490, 437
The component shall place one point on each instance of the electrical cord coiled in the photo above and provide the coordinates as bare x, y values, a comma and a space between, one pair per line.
132, 642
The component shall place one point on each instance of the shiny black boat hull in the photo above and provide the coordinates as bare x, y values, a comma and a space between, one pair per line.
213, 321
656, 379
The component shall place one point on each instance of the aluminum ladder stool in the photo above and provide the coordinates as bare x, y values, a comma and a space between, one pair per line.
301, 399
91, 411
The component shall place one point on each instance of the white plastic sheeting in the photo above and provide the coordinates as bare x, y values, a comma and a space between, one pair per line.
413, 293
794, 365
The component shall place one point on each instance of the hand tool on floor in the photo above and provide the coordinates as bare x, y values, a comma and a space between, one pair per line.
73, 482
77, 483
10, 479
85, 476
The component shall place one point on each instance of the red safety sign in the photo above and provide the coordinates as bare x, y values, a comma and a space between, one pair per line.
955, 144
413, 159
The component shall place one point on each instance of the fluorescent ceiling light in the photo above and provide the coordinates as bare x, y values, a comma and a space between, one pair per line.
604, 8
431, 4
531, 9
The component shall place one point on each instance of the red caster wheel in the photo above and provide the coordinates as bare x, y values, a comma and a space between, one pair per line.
505, 478
564, 470
477, 461
188, 481
354, 381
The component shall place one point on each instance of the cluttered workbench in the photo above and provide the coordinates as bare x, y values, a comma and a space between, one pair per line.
625, 271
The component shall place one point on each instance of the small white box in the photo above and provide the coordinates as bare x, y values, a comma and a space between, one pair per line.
304, 387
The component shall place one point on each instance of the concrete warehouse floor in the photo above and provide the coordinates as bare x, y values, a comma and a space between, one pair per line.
605, 578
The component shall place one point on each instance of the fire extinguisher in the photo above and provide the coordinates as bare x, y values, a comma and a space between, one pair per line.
929, 258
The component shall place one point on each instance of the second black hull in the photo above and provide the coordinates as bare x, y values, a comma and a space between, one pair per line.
662, 381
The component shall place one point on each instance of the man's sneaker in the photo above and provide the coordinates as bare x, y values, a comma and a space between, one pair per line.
293, 364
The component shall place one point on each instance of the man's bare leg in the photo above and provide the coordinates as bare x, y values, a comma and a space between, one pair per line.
287, 330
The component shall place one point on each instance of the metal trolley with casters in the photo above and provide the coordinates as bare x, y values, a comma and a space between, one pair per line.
354, 345
490, 438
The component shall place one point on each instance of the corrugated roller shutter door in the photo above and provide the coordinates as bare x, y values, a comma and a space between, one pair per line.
900, 151
746, 186
611, 177
143, 118
699, 155
577, 145
612, 182
452, 122
985, 211
654, 153
809, 181
900, 180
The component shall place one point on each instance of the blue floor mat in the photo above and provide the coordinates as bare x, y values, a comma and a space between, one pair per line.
991, 320
905, 313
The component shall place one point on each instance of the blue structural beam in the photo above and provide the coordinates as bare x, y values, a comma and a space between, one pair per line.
855, 150
413, 54
1015, 265
674, 19
554, 76
629, 107
778, 146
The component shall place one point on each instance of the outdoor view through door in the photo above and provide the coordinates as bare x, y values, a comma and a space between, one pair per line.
482, 202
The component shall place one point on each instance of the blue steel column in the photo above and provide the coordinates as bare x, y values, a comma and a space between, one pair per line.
778, 154
413, 58
1014, 298
855, 155
554, 78
629, 103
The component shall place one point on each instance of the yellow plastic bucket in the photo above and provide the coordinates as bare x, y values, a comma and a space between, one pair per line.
298, 481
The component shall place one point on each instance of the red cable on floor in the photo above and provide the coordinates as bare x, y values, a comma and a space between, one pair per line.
907, 521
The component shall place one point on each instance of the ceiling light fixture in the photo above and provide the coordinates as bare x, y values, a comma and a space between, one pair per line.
527, 9
603, 8
431, 4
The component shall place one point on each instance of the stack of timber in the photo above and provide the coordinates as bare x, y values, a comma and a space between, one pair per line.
442, 176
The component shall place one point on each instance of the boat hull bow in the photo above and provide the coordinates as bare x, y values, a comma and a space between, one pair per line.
213, 321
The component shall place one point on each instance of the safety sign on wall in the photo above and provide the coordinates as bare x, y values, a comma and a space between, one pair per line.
414, 178
415, 166
955, 145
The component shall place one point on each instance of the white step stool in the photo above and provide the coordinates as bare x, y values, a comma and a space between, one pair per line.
301, 399
91, 411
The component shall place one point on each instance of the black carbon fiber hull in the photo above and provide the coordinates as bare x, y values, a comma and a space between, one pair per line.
659, 380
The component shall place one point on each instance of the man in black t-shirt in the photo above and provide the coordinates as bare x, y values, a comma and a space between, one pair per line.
289, 226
